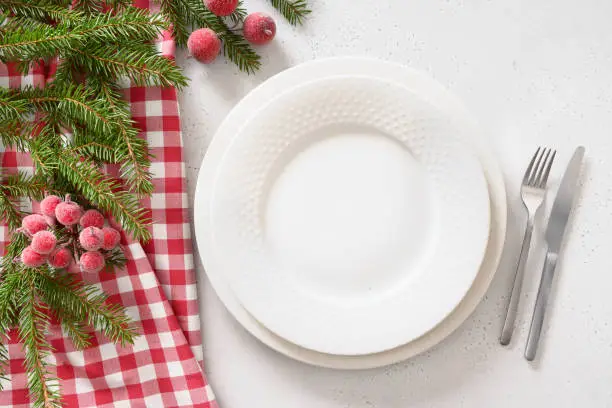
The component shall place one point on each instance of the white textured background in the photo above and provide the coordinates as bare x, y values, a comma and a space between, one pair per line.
533, 72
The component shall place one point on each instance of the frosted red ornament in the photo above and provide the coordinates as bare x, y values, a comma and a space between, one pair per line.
48, 205
111, 238
31, 258
259, 28
91, 262
60, 258
91, 238
221, 7
204, 45
92, 218
33, 223
68, 213
43, 242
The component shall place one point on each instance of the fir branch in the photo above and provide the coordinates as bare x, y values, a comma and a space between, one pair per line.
84, 302
139, 62
3, 364
33, 329
10, 211
238, 50
41, 10
295, 11
238, 16
25, 185
100, 152
115, 259
88, 6
176, 12
183, 14
9, 288
131, 150
104, 192
31, 43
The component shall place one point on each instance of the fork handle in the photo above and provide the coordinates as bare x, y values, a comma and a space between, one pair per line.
512, 309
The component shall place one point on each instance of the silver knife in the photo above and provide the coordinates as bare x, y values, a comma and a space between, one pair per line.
555, 230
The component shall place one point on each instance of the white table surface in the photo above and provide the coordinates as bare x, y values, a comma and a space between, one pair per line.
534, 73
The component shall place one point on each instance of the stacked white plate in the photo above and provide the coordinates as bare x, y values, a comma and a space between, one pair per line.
349, 214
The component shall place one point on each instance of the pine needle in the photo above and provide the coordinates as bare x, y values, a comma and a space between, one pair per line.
295, 11
33, 330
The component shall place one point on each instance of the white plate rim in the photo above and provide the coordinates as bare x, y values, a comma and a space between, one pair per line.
432, 91
375, 334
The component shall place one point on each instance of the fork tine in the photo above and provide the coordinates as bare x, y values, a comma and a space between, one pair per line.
536, 167
530, 167
548, 167
541, 165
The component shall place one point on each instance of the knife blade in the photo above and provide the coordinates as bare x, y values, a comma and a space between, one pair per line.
557, 223
562, 206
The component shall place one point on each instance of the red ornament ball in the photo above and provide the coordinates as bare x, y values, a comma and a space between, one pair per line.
33, 223
91, 238
68, 213
92, 262
48, 204
92, 218
111, 238
259, 28
60, 258
31, 258
204, 45
221, 7
43, 242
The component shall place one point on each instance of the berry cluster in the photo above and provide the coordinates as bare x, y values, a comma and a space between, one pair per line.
63, 232
204, 44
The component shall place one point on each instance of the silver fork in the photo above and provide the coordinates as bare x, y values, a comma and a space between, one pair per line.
533, 191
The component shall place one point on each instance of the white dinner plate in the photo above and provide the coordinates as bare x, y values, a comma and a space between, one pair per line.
350, 215
425, 88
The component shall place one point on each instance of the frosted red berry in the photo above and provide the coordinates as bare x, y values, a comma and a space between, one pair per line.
43, 242
111, 238
91, 261
31, 258
68, 213
60, 258
91, 238
221, 7
259, 28
204, 45
48, 204
33, 223
92, 218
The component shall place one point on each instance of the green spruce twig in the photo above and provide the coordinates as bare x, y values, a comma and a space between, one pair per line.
33, 330
295, 11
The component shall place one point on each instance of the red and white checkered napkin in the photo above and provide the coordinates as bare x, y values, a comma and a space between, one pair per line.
158, 288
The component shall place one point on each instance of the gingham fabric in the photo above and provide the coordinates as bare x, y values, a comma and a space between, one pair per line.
158, 288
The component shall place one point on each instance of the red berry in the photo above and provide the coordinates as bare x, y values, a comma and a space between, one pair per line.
259, 28
91, 238
68, 213
33, 223
92, 262
31, 258
48, 204
111, 238
221, 7
204, 45
43, 242
92, 218
60, 258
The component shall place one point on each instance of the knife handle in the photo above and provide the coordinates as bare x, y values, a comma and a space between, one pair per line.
537, 321
515, 295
